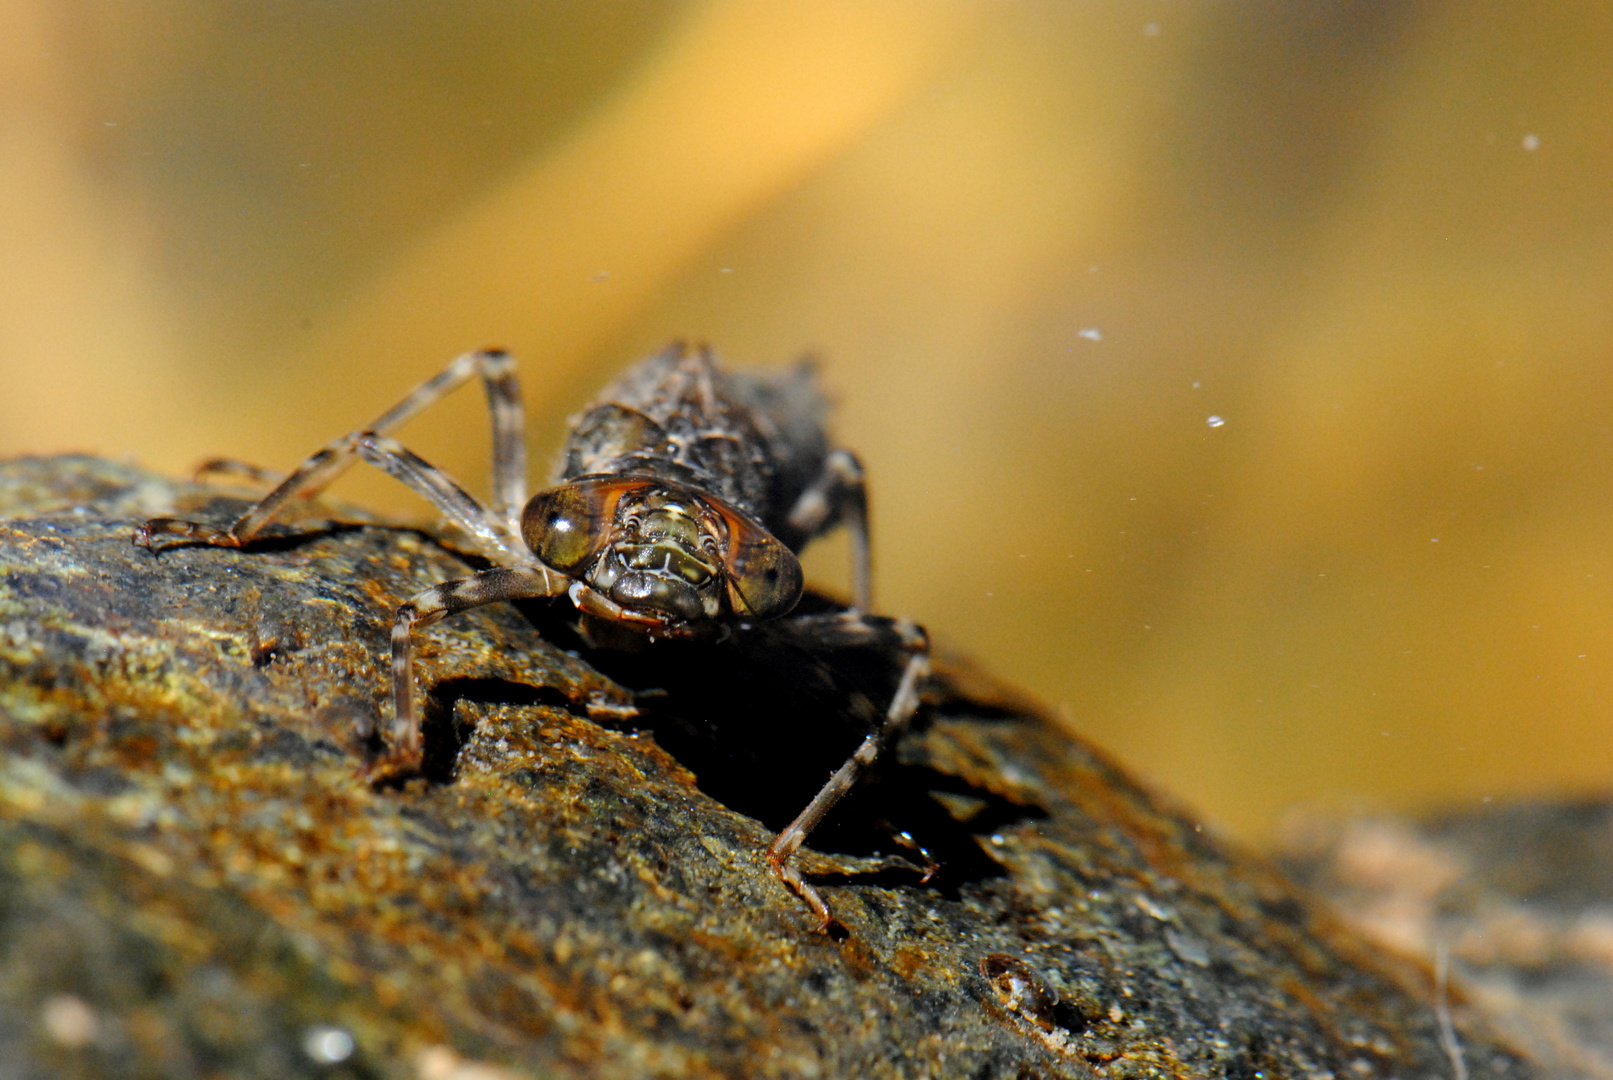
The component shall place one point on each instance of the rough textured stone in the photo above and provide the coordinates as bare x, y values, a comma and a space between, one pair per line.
196, 881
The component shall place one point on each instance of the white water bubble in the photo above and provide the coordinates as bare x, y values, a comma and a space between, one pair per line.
1215, 421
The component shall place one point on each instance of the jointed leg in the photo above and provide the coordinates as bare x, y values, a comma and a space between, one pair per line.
899, 714
509, 457
840, 492
397, 460
245, 470
425, 608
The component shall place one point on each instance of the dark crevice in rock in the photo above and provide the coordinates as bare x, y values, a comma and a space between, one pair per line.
444, 738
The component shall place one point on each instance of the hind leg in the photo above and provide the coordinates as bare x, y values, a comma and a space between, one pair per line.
840, 493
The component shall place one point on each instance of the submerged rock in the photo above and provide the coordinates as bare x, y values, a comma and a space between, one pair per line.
195, 880
1517, 896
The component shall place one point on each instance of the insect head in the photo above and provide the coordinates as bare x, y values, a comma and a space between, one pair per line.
658, 555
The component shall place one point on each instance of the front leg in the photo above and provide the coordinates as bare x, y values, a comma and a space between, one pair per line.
424, 608
904, 703
497, 372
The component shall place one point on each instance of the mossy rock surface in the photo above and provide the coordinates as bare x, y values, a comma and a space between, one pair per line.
195, 879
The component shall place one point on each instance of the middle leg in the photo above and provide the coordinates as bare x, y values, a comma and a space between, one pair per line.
853, 629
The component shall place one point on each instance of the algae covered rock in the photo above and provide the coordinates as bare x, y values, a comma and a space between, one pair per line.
196, 880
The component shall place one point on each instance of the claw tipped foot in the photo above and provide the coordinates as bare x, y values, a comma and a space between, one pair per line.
149, 535
779, 862
394, 768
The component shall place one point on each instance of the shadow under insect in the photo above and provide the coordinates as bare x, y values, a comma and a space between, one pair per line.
761, 719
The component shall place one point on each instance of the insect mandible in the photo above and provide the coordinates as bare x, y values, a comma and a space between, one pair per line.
678, 506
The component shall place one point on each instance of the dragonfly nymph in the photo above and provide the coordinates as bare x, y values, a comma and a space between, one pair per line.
677, 510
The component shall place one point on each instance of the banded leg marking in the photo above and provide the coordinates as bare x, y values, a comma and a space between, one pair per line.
243, 470
425, 608
424, 478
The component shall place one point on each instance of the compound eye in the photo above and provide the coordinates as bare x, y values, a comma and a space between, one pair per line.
764, 576
566, 526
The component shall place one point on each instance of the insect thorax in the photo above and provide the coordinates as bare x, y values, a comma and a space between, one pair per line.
751, 440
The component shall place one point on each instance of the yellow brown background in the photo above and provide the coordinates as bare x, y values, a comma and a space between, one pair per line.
1037, 247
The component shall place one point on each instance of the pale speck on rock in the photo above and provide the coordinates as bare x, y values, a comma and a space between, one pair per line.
69, 1020
327, 1045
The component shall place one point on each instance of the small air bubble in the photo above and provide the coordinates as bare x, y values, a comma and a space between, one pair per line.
1020, 988
1531, 142
1151, 29
1215, 421
1091, 333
